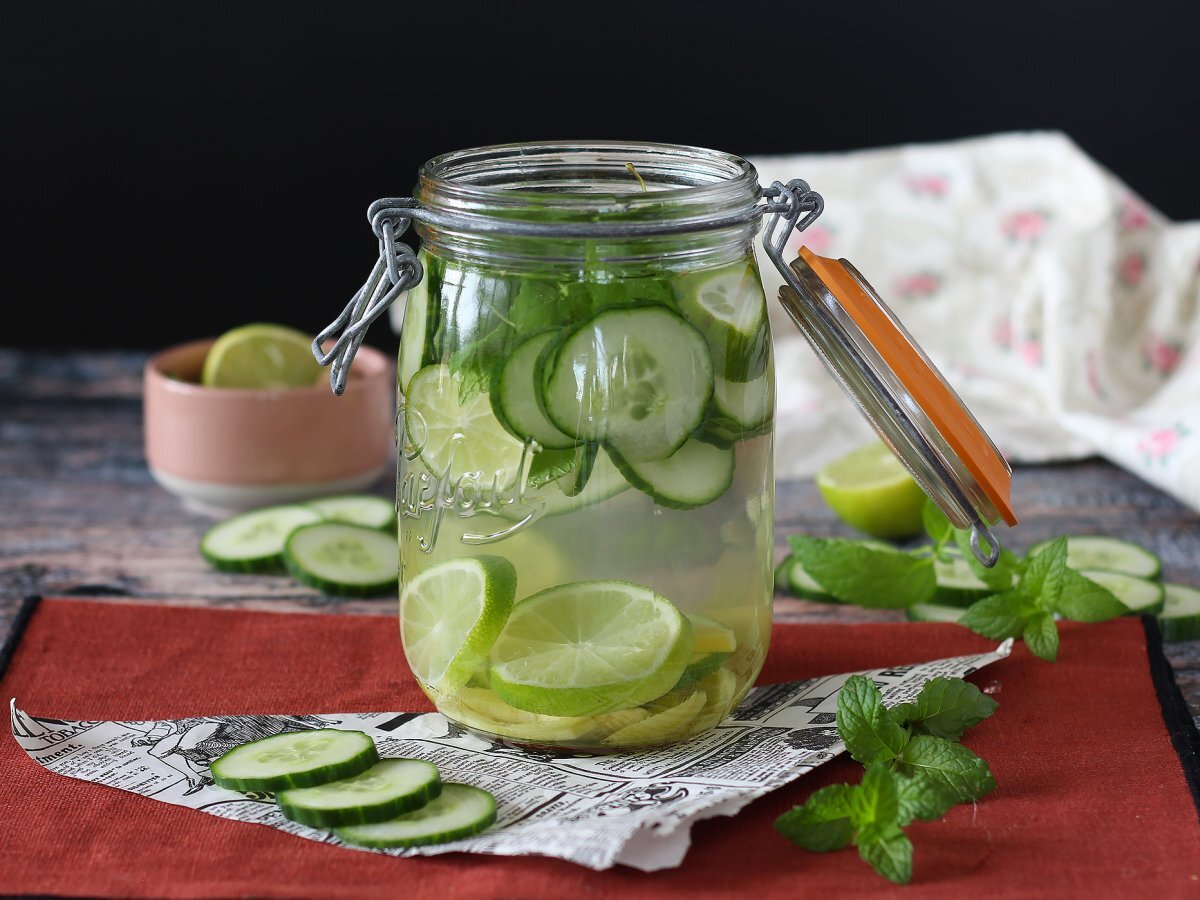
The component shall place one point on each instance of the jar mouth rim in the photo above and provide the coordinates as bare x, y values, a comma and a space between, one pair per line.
589, 178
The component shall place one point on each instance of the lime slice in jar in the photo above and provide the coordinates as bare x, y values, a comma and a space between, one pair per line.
590, 647
871, 490
261, 356
456, 433
671, 724
450, 616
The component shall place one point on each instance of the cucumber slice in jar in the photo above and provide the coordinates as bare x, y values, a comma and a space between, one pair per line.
459, 811
730, 309
694, 475
384, 791
295, 759
1141, 596
357, 509
415, 328
635, 377
1106, 553
516, 394
253, 541
748, 406
1180, 616
343, 560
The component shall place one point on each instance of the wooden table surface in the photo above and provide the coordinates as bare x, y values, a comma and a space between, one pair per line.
80, 515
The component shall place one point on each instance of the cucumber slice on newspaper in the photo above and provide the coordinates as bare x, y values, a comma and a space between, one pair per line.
295, 759
382, 792
459, 811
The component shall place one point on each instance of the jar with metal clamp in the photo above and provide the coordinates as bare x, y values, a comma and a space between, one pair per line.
586, 396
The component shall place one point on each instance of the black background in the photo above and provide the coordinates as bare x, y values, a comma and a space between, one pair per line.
172, 170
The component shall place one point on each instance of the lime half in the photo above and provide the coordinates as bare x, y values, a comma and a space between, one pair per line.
871, 490
451, 614
590, 647
457, 434
261, 356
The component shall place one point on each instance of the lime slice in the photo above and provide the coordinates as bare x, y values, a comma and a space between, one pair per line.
871, 490
455, 434
450, 615
261, 356
590, 647
481, 709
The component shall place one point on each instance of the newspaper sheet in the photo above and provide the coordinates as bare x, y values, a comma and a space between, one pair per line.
635, 809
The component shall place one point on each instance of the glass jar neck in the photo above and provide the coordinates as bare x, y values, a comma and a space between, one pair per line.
690, 190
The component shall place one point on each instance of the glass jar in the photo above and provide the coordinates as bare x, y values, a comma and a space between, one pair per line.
585, 405
585, 484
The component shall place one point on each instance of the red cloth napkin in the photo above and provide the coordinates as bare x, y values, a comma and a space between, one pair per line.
1092, 797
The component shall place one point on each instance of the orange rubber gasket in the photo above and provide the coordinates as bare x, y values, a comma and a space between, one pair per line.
937, 401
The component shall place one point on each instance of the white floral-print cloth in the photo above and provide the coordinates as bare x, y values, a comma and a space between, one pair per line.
1062, 308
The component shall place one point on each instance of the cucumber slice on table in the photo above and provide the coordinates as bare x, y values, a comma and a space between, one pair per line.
295, 759
459, 811
636, 377
343, 560
516, 394
1180, 616
1141, 596
253, 541
730, 309
957, 583
934, 612
695, 474
1109, 554
357, 509
384, 791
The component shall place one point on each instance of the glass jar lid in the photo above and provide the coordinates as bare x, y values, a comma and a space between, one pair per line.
901, 393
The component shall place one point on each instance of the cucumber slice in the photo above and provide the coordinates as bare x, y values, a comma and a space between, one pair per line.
343, 560
803, 585
517, 391
295, 759
574, 482
1106, 553
459, 811
745, 408
695, 474
415, 329
384, 791
1144, 598
638, 378
1180, 616
934, 612
957, 583
253, 541
357, 509
730, 309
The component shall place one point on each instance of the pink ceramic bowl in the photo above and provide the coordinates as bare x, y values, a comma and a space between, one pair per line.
225, 449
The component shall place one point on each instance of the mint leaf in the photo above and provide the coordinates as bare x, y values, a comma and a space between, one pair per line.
870, 732
867, 576
1000, 615
887, 850
1041, 636
1043, 578
875, 801
549, 465
1082, 600
937, 526
822, 823
949, 765
946, 707
921, 798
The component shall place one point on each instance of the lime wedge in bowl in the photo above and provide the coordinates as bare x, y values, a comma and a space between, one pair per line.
590, 647
871, 490
261, 356
450, 616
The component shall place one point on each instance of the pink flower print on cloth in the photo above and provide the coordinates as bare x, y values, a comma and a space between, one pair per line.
1002, 333
814, 237
918, 285
1024, 226
927, 185
1030, 350
1161, 356
1133, 215
1160, 444
1131, 268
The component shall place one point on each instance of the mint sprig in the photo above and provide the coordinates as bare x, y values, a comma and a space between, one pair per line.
915, 770
1031, 593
